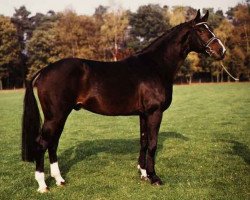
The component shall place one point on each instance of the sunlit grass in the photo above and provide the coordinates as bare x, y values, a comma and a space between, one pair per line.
203, 150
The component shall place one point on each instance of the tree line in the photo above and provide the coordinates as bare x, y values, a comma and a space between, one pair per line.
30, 42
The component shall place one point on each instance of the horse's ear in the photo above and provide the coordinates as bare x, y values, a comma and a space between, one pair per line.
198, 17
205, 17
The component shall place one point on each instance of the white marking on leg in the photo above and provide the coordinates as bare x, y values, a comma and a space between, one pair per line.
40, 178
55, 173
143, 172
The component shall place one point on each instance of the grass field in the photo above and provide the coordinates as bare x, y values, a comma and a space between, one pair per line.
203, 150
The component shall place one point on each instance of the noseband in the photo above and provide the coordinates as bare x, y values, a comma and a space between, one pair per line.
206, 45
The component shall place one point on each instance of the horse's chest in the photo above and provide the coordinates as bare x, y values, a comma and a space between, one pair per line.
153, 98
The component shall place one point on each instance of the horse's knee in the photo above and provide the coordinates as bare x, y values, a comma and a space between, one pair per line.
42, 142
49, 130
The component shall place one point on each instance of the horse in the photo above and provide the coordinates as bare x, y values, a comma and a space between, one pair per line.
140, 85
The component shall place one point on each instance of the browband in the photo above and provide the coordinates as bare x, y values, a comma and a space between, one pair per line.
200, 23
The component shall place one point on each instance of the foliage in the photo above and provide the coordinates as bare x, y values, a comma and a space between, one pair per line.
215, 17
9, 48
114, 32
76, 35
240, 51
149, 22
177, 16
69, 36
23, 25
108, 34
193, 61
42, 49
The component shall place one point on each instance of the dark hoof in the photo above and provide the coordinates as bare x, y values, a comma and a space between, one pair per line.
159, 182
62, 184
155, 180
143, 178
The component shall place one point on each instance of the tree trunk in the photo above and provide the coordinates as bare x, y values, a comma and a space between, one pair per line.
217, 77
222, 78
245, 29
212, 79
190, 79
1, 84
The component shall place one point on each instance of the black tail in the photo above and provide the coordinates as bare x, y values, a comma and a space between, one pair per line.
31, 124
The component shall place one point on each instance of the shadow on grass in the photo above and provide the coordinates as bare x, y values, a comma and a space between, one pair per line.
239, 149
88, 148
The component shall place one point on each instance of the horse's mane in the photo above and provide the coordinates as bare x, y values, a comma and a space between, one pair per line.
166, 35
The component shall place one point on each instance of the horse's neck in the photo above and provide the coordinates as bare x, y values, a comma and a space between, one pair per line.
171, 53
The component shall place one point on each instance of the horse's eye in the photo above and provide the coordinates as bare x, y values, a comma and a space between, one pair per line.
201, 30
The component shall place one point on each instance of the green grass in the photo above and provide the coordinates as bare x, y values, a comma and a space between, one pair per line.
203, 150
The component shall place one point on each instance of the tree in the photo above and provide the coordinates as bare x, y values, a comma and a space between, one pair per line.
191, 66
215, 17
100, 11
23, 25
177, 15
181, 14
76, 35
42, 48
224, 31
9, 50
69, 35
239, 43
149, 22
43, 21
114, 33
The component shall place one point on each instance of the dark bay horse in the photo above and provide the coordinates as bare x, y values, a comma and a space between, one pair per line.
138, 85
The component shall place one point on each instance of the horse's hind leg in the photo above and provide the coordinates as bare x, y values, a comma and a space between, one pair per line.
54, 168
48, 139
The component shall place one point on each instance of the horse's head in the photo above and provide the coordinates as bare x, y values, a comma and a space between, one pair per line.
203, 40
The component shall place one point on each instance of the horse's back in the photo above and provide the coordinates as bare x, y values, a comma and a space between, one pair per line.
108, 88
125, 87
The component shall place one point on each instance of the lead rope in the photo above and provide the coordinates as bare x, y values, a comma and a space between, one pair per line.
236, 79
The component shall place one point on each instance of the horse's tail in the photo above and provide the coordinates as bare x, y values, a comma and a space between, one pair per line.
31, 124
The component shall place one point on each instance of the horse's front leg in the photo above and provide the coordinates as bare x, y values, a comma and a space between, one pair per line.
144, 147
153, 125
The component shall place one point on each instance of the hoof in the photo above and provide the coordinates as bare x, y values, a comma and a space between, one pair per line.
155, 180
157, 183
43, 190
61, 184
144, 178
59, 180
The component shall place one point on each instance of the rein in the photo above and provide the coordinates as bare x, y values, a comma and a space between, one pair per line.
236, 79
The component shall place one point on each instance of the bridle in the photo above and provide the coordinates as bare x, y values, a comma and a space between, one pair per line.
209, 50
206, 45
